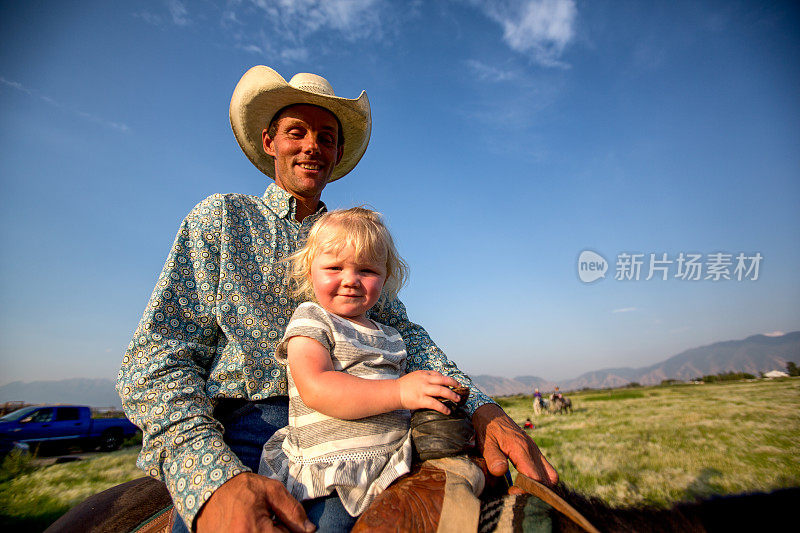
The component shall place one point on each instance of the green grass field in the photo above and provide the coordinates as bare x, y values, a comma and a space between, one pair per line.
35, 497
649, 445
660, 445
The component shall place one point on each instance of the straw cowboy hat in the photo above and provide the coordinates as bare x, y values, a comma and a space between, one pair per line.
262, 92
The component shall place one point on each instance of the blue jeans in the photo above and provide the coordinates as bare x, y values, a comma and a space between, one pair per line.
247, 428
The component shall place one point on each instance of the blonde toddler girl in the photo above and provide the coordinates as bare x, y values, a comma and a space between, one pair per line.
349, 398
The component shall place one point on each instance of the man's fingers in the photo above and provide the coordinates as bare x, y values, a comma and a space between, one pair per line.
501, 438
528, 460
521, 454
249, 503
551, 476
495, 459
287, 510
268, 525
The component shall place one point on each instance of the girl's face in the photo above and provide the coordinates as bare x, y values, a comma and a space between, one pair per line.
346, 286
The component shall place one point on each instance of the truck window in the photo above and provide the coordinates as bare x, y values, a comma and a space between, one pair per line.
68, 413
43, 415
18, 414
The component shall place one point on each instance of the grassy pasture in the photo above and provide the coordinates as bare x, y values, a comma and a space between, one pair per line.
660, 445
649, 445
36, 496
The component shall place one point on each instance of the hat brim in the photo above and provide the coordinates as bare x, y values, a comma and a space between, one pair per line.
262, 92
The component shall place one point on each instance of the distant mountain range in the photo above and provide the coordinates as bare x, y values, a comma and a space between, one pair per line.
83, 391
755, 354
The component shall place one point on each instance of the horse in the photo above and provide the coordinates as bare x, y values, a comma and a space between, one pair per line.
539, 405
760, 511
561, 404
143, 505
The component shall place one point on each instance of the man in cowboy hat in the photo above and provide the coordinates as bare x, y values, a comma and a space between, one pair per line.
201, 361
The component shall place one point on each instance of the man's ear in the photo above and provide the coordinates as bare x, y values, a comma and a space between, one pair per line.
339, 153
266, 143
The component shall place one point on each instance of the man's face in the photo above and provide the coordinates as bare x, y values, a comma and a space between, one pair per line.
305, 148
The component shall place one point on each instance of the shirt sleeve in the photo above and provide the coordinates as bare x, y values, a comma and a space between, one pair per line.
423, 354
164, 371
308, 320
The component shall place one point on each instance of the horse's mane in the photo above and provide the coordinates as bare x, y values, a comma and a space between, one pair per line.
741, 512
751, 511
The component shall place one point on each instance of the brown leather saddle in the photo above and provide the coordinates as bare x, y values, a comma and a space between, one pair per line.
448, 489
417, 502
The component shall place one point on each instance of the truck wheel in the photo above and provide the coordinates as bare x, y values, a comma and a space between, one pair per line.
110, 440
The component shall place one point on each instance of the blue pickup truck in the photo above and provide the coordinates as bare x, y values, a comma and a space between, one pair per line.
60, 426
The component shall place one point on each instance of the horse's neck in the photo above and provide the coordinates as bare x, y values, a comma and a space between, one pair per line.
743, 512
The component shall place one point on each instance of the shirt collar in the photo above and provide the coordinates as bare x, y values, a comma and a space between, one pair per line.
284, 204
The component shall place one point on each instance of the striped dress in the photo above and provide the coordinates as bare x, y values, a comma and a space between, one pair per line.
317, 454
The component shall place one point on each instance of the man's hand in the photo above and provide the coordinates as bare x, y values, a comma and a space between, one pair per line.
499, 438
249, 503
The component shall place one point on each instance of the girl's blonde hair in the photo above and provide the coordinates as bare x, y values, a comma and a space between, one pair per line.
362, 230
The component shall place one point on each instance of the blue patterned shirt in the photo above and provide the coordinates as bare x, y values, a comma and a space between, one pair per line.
217, 313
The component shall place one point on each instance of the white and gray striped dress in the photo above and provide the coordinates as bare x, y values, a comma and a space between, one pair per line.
317, 454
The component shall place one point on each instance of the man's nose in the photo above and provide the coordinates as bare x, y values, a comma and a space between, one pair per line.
310, 144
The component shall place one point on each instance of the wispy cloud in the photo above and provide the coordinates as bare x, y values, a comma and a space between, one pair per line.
16, 85
775, 334
541, 29
490, 73
293, 55
283, 29
178, 12
149, 17
625, 310
77, 112
175, 11
519, 105
354, 19
252, 48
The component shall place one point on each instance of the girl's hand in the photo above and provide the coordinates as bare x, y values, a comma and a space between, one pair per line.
340, 395
419, 390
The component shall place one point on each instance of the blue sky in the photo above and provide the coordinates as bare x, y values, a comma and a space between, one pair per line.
508, 137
